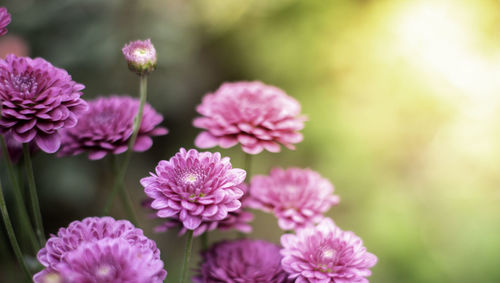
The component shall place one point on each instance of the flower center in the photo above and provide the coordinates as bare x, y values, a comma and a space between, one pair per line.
192, 183
327, 258
52, 278
26, 85
103, 271
291, 189
324, 268
329, 254
190, 178
142, 54
103, 118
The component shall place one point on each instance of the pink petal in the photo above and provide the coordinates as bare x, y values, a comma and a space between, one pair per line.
48, 143
205, 140
143, 143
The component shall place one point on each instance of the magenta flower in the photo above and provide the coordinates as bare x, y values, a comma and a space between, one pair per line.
37, 101
194, 187
4, 20
297, 197
100, 250
238, 220
107, 127
326, 254
242, 260
253, 114
140, 56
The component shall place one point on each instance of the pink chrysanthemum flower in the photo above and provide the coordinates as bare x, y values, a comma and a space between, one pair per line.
140, 56
107, 127
253, 114
238, 220
4, 20
242, 260
298, 197
37, 101
194, 187
100, 250
326, 254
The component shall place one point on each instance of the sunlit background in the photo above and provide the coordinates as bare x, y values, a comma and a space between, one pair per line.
402, 99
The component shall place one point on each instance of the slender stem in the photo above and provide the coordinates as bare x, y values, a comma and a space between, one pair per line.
12, 236
18, 197
248, 169
187, 255
118, 184
33, 194
248, 165
204, 241
129, 209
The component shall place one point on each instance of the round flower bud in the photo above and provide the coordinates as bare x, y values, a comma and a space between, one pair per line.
140, 56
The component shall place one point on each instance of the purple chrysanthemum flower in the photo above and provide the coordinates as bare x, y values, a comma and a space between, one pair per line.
107, 127
194, 187
326, 254
4, 20
242, 260
100, 250
140, 56
253, 114
298, 197
37, 101
238, 220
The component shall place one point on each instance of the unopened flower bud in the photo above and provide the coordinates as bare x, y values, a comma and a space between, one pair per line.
140, 56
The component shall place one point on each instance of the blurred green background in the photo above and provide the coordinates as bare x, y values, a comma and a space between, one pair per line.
402, 99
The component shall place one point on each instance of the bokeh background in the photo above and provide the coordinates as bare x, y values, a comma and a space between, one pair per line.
402, 99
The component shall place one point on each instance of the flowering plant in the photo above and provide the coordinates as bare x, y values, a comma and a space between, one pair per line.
198, 192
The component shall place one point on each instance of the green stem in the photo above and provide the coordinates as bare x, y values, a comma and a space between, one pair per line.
187, 255
18, 197
248, 165
33, 194
12, 236
204, 241
129, 209
125, 198
119, 180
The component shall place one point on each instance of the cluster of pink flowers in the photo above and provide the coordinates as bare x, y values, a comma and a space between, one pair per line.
195, 191
183, 190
